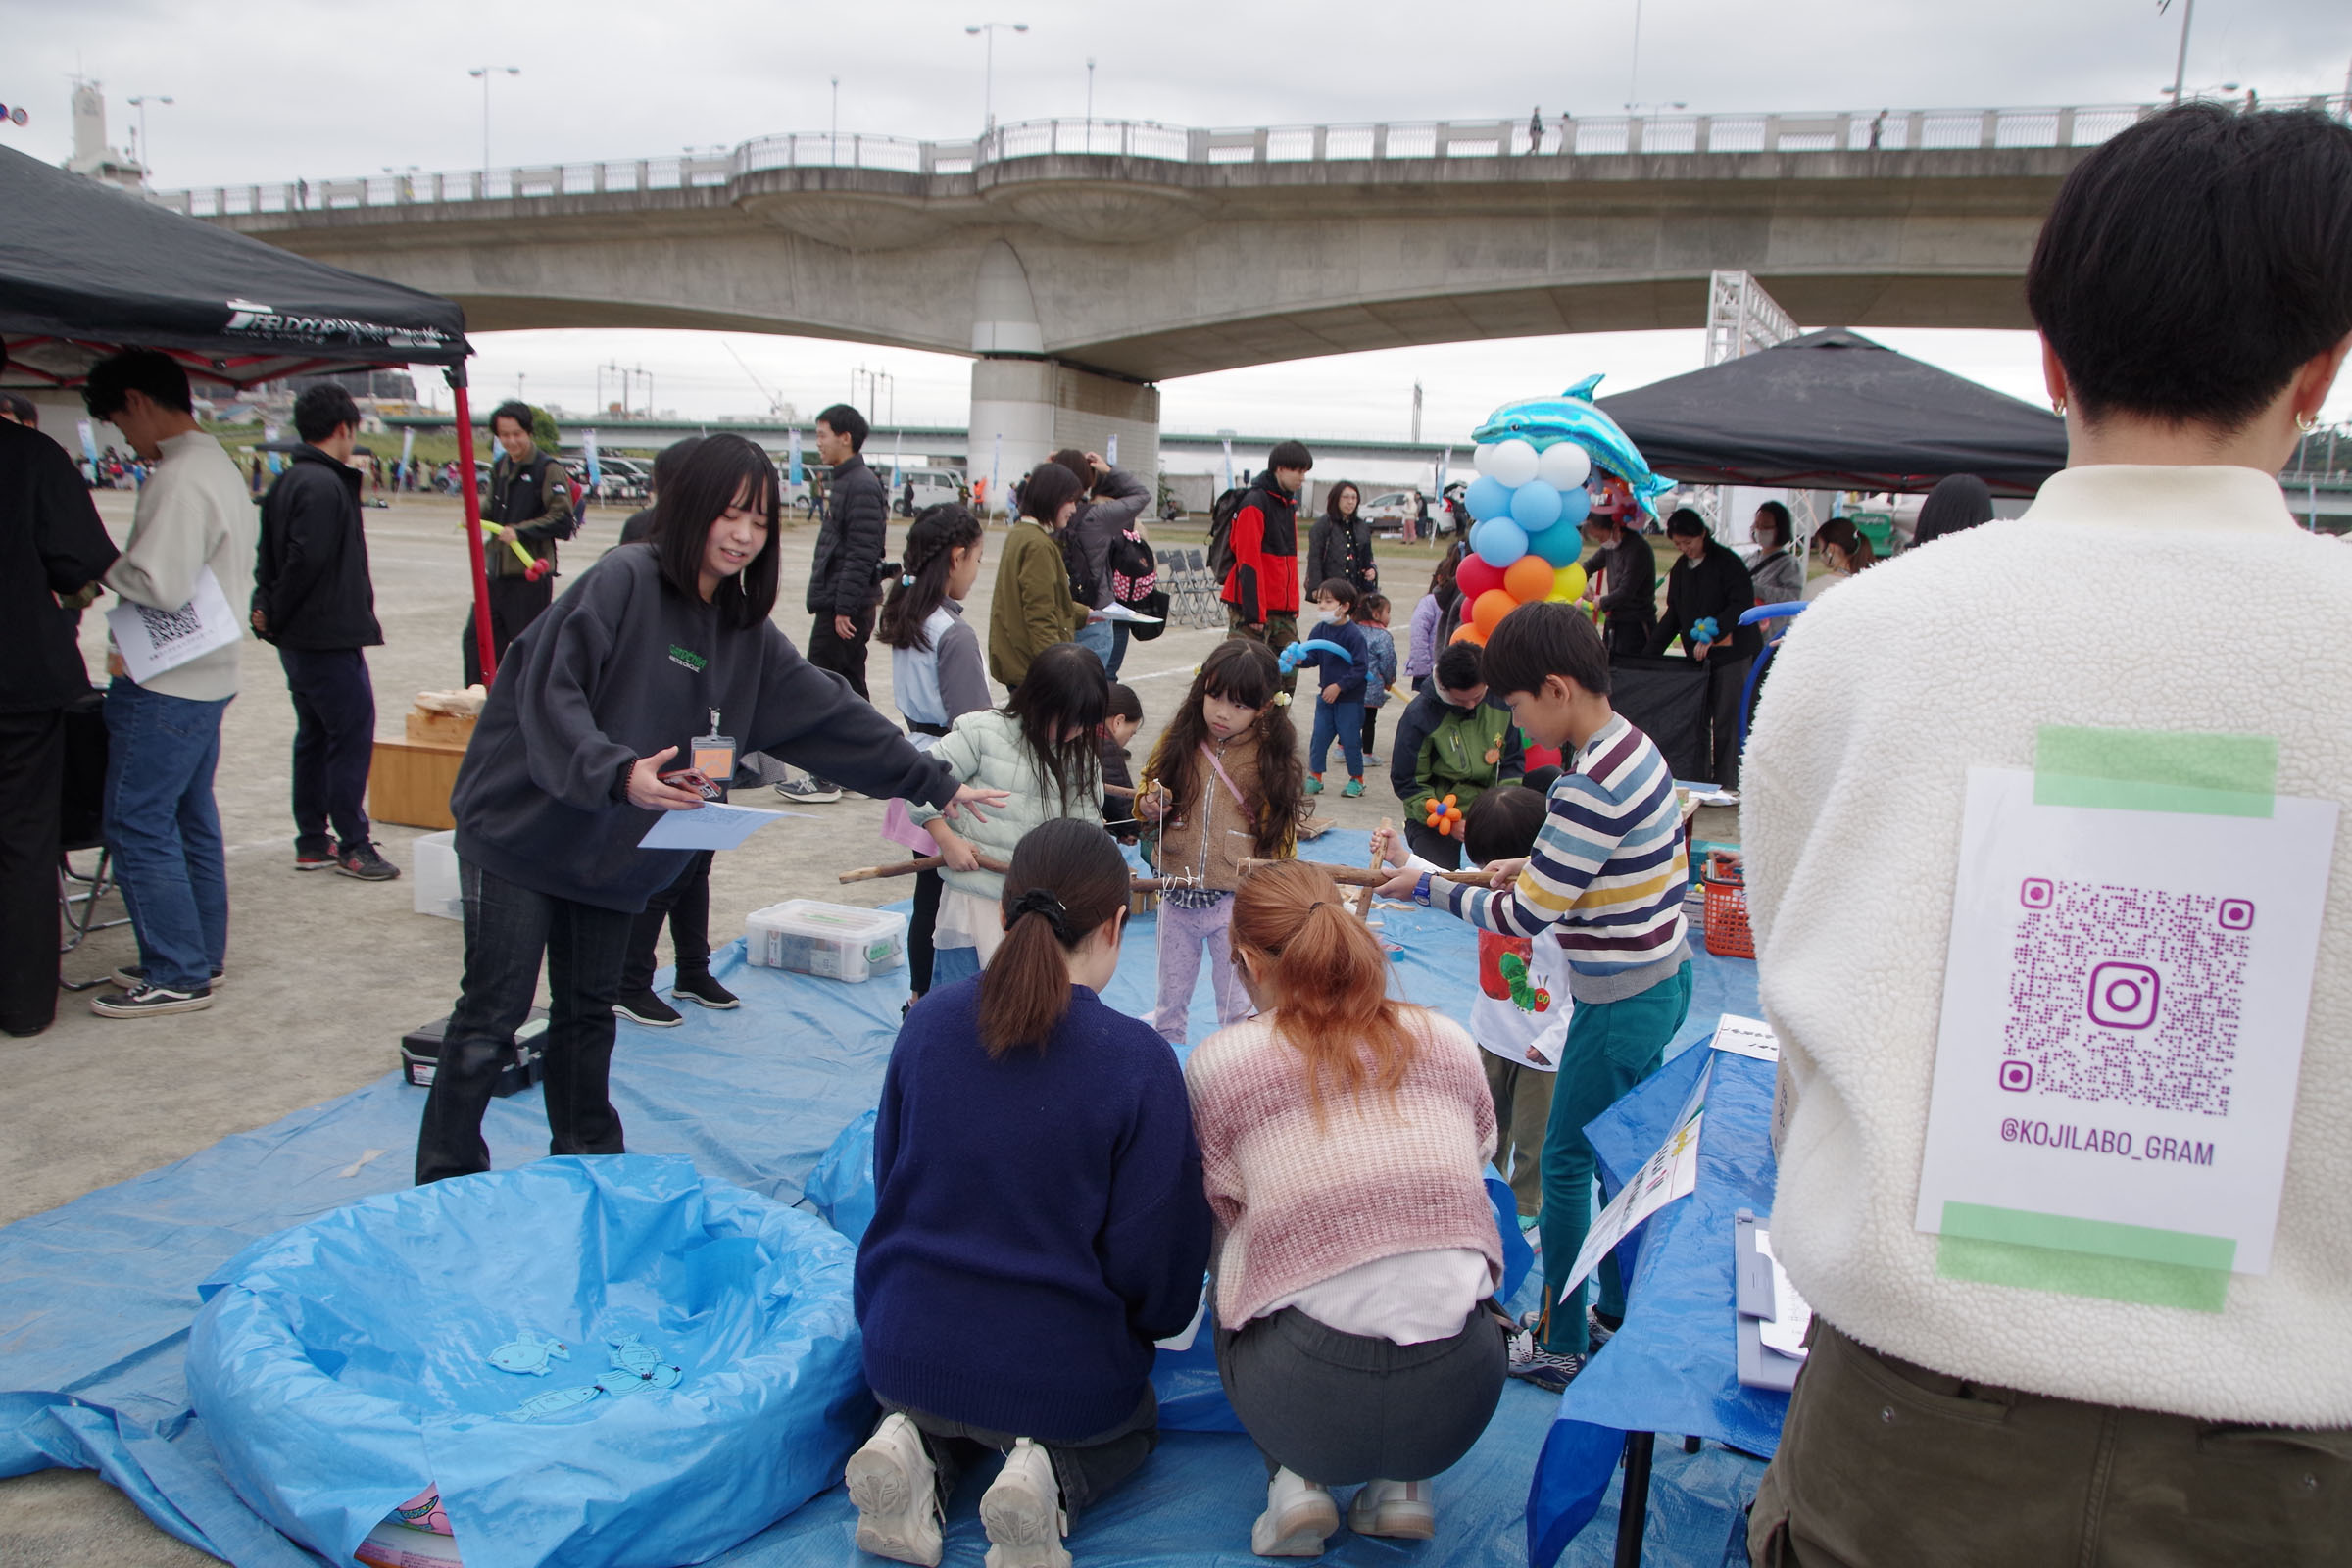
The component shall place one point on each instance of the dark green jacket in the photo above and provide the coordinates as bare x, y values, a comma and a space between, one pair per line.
1441, 750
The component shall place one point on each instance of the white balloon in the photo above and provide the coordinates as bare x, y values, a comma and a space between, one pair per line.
1513, 464
1482, 458
1564, 464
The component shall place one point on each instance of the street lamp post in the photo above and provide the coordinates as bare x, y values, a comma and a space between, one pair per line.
1090, 103
836, 134
988, 31
145, 155
485, 73
2188, 14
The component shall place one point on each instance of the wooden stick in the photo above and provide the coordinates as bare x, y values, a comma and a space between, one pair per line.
1348, 876
1127, 790
1363, 899
925, 863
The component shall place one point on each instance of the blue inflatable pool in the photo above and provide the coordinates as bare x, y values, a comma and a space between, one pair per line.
607, 1361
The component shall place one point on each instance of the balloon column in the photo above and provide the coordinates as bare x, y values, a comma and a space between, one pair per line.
1545, 464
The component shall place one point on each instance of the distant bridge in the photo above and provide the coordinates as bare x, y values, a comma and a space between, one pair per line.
1083, 261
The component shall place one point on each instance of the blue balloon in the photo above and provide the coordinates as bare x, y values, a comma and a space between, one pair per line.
1575, 504
1561, 545
1498, 541
1536, 505
1488, 498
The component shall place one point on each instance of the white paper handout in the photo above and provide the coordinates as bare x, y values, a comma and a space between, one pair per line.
1785, 1331
1747, 1037
152, 641
715, 826
1670, 1173
1115, 611
2123, 1004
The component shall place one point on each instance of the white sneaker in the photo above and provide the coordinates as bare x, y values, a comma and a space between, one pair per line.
1022, 1512
891, 1483
1300, 1517
1406, 1510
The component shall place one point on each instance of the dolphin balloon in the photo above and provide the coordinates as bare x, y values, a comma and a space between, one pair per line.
1573, 417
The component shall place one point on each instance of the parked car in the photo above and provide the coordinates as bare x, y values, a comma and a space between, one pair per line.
1390, 511
914, 489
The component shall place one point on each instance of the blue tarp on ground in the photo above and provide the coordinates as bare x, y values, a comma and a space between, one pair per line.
96, 1296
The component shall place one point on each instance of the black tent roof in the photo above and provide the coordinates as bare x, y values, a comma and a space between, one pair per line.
86, 268
1834, 411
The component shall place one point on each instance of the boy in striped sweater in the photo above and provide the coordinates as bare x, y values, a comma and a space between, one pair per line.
1606, 880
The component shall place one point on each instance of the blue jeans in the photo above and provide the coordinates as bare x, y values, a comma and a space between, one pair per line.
1096, 638
1344, 721
950, 965
164, 830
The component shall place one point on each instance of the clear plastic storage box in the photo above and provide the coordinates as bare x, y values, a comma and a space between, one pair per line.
838, 941
433, 875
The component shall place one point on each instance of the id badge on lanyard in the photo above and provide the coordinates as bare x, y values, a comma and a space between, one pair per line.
713, 757
2125, 997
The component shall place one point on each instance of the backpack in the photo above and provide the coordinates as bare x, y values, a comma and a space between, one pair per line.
1134, 570
1220, 531
1073, 560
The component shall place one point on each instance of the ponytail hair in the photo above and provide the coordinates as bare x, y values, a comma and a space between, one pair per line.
1329, 981
919, 584
1067, 877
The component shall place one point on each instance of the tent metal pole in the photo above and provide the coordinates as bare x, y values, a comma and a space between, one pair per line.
473, 526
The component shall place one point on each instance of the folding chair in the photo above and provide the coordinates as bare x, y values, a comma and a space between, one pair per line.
81, 824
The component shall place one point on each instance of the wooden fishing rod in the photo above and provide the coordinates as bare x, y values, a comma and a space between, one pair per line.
932, 862
1348, 876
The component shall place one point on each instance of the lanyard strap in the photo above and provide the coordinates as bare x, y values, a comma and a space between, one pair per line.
1230, 787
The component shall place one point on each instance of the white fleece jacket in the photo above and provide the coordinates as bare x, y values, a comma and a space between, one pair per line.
193, 512
1887, 691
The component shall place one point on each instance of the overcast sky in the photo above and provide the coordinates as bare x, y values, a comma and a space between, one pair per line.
275, 89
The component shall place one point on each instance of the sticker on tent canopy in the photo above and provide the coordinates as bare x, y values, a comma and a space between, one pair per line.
2126, 989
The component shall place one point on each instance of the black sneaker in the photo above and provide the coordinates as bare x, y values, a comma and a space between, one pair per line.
362, 861
133, 975
144, 1001
1600, 1330
809, 791
643, 1007
1547, 1370
705, 990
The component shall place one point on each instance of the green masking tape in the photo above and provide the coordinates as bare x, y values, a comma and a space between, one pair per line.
2085, 1257
2155, 770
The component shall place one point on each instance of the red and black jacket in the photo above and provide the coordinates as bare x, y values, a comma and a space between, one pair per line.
1264, 580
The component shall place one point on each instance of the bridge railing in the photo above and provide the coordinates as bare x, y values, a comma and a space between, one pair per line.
1560, 137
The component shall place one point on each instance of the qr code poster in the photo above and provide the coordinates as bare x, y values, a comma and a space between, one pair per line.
2124, 1004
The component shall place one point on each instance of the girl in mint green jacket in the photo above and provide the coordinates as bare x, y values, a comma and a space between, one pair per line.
1040, 748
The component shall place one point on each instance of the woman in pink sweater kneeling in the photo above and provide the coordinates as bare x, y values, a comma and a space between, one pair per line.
1344, 1136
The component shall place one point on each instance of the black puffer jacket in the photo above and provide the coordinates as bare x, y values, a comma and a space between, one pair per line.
850, 544
1716, 587
310, 571
1339, 550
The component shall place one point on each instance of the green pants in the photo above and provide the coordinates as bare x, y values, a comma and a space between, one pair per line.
1884, 1464
1281, 630
1522, 1097
1612, 1046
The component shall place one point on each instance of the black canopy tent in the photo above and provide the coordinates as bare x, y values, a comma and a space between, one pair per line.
87, 268
1834, 411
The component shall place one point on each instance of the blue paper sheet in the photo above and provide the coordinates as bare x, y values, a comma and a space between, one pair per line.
96, 1296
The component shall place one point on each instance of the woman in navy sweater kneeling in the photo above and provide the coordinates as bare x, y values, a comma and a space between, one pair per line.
1039, 1220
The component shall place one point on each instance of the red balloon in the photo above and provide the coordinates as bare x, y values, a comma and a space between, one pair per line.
1474, 578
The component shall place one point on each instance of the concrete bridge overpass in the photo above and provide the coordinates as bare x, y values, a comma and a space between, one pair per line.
1083, 261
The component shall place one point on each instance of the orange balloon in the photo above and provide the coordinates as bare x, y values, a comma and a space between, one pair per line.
1469, 634
1529, 579
1488, 612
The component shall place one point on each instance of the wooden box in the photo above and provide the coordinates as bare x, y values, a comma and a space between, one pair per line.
409, 782
429, 728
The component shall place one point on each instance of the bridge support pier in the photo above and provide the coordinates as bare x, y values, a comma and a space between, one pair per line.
1026, 404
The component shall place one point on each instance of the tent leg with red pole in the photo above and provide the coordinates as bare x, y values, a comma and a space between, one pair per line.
474, 528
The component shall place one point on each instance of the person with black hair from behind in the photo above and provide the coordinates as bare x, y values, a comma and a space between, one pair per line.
640, 524
314, 600
1453, 738
575, 756
1959, 501
1034, 1165
529, 504
936, 674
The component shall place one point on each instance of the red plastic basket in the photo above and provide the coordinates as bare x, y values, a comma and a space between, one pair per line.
1728, 933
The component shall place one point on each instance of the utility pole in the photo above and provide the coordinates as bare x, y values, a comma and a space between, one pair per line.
2188, 14
1416, 413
